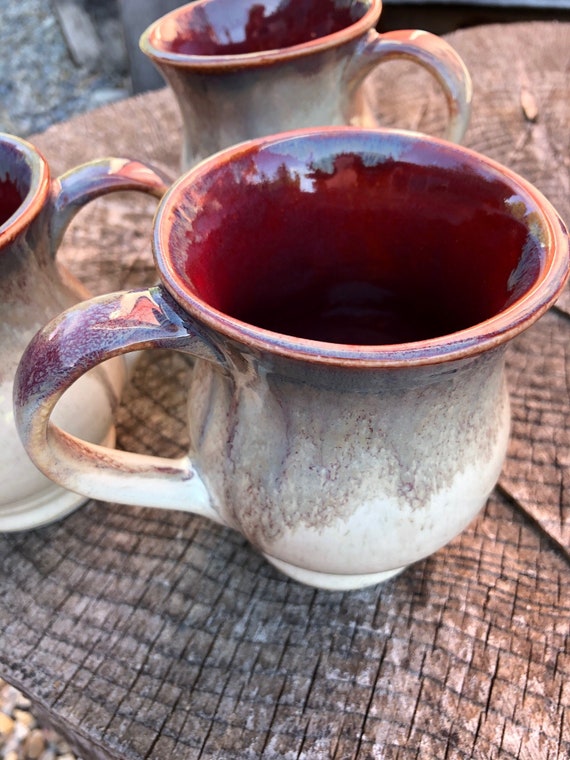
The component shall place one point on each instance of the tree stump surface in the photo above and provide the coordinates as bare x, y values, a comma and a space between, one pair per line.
141, 633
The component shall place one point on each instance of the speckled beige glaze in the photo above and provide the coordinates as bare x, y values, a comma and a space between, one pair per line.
341, 463
392, 471
225, 99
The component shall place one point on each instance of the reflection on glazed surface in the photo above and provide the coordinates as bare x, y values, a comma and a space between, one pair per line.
215, 28
348, 249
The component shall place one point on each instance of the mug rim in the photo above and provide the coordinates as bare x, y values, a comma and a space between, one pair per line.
34, 199
259, 58
468, 342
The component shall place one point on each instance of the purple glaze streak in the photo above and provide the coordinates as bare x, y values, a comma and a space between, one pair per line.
99, 329
74, 189
70, 345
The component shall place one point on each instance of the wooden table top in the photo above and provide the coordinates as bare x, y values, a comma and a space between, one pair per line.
147, 634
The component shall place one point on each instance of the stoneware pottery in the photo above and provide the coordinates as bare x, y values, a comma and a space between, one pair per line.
348, 296
242, 69
34, 213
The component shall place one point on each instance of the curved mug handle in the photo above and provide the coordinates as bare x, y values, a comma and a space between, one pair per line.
429, 51
77, 187
73, 190
73, 343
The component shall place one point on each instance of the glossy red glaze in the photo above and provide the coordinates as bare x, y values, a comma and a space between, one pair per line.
363, 252
217, 28
360, 221
10, 199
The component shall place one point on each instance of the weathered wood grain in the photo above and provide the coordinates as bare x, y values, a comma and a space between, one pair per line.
537, 471
150, 634
159, 635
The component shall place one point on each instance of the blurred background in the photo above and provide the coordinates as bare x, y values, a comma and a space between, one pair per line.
63, 57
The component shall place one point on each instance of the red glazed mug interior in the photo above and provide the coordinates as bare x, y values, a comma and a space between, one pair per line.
23, 185
336, 238
13, 190
214, 28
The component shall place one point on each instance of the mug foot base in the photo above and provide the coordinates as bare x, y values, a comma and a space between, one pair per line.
332, 581
50, 505
44, 507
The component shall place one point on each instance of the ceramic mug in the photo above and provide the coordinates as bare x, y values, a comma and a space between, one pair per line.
34, 213
348, 296
242, 69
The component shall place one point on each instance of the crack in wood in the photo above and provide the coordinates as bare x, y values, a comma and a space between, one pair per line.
553, 543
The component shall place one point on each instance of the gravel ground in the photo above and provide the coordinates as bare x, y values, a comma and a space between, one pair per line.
21, 736
41, 84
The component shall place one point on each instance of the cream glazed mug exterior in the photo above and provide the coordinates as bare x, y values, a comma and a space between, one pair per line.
35, 210
242, 69
348, 296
